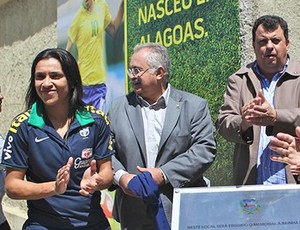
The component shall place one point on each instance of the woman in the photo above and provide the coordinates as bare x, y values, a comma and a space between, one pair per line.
3, 222
62, 146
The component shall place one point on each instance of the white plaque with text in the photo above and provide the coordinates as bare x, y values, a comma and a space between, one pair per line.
267, 207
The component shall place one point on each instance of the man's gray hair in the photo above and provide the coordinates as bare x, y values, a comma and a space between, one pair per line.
158, 57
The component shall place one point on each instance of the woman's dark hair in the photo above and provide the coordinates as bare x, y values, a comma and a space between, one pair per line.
271, 23
70, 70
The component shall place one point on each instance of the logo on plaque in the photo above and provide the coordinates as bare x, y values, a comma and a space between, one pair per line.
250, 205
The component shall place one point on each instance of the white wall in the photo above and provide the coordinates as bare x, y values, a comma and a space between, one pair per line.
27, 27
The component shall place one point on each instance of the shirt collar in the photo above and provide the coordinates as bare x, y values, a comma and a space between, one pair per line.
161, 102
37, 118
278, 74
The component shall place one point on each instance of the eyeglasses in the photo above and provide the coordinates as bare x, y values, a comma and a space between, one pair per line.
135, 71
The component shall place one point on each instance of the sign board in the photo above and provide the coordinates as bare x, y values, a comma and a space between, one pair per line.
274, 207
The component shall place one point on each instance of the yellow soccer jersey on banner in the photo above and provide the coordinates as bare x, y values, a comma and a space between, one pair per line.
87, 31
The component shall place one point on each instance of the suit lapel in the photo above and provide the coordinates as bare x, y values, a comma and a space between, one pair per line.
256, 84
135, 118
171, 118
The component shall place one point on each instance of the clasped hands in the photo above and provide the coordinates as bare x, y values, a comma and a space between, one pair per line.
89, 183
258, 112
156, 174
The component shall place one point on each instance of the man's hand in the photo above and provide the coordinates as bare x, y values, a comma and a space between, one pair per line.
124, 180
156, 173
289, 149
258, 112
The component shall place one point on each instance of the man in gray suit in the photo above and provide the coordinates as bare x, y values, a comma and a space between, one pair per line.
160, 130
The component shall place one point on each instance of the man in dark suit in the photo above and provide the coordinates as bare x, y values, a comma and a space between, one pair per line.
160, 130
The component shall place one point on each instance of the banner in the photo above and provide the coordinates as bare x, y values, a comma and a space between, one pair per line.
88, 31
203, 40
102, 56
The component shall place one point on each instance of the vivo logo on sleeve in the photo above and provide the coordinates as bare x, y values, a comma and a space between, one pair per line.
8, 150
